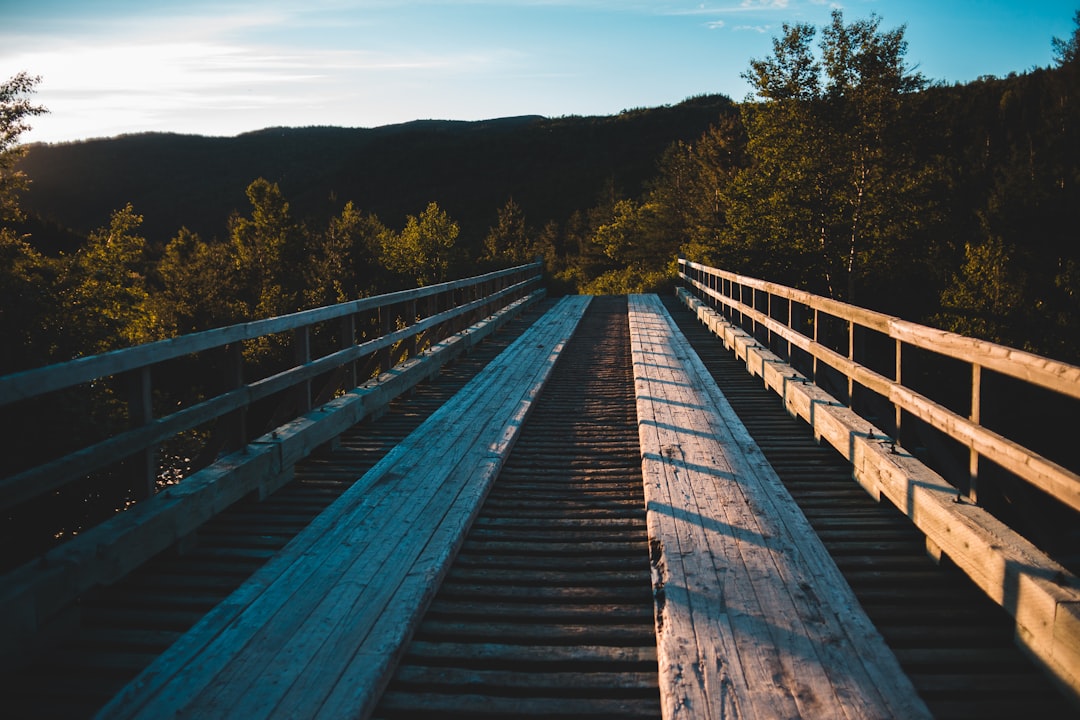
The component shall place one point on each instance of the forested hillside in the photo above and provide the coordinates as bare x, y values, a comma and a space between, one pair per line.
848, 174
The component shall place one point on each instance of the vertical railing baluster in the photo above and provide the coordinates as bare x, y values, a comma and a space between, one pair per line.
302, 356
236, 435
899, 378
851, 357
143, 464
347, 331
976, 412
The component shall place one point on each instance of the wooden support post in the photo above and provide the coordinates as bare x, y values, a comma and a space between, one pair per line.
386, 326
236, 435
976, 410
410, 319
899, 381
347, 332
817, 325
851, 357
302, 356
143, 464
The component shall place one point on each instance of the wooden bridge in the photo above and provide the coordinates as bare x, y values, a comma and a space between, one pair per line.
471, 500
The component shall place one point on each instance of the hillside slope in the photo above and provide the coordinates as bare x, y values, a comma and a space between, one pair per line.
550, 167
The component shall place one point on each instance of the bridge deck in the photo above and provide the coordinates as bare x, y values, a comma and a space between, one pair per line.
752, 615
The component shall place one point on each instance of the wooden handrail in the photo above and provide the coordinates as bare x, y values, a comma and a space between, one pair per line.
725, 288
486, 292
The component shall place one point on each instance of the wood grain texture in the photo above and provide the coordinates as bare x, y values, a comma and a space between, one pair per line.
317, 631
753, 618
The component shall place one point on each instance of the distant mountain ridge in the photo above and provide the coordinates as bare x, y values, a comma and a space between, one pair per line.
550, 166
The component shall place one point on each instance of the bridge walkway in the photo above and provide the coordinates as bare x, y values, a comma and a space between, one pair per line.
458, 624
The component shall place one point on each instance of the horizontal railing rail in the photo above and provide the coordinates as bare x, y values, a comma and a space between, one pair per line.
384, 330
796, 319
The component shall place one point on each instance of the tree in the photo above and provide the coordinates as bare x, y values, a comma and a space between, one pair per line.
27, 303
988, 296
269, 251
199, 286
15, 109
1067, 51
508, 240
833, 188
423, 250
104, 289
343, 263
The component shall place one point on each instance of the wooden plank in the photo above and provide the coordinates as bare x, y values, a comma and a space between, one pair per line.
753, 617
323, 623
1038, 592
32, 595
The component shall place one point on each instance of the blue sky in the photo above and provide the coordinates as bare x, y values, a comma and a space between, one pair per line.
230, 66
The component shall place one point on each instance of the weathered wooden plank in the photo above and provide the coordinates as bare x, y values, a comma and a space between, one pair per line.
1041, 595
321, 625
753, 618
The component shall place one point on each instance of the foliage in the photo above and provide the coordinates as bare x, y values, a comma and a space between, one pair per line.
834, 188
424, 249
15, 109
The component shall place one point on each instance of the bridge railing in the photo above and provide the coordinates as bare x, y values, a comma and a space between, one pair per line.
875, 352
316, 353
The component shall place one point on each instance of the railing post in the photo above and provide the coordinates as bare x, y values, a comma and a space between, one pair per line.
385, 327
410, 319
851, 357
302, 356
236, 435
143, 471
899, 381
347, 332
976, 411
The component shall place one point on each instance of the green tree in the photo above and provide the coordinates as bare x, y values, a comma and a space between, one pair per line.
988, 296
27, 303
343, 262
104, 289
15, 110
834, 187
424, 249
269, 250
508, 240
199, 286
1067, 50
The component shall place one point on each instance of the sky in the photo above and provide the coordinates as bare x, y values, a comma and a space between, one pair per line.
224, 67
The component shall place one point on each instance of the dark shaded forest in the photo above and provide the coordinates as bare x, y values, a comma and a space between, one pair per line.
849, 174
